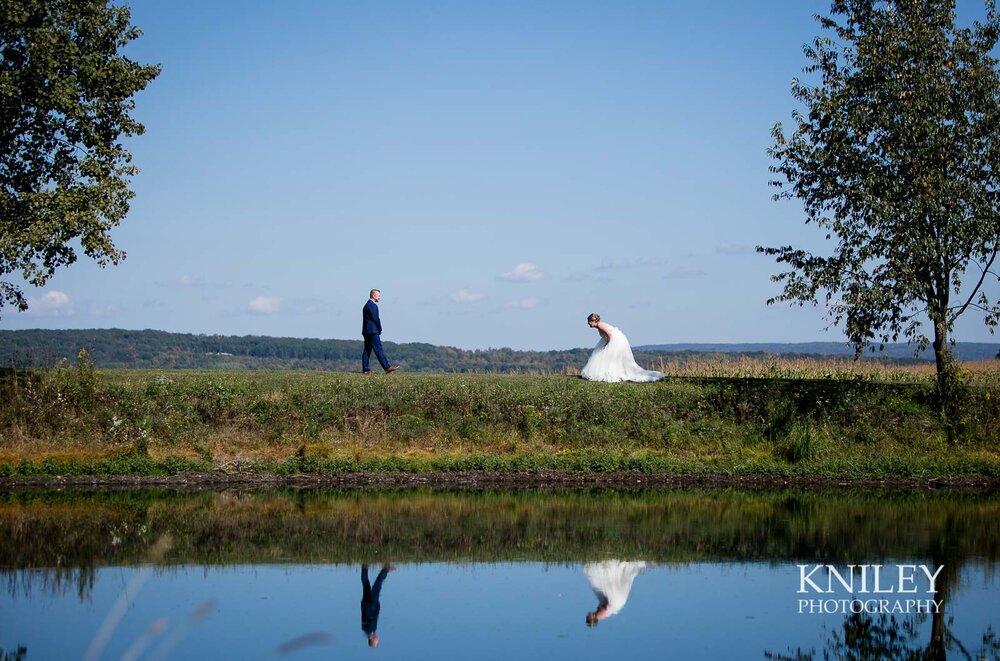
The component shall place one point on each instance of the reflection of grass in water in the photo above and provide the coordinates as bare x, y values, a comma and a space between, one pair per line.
289, 526
131, 590
423, 526
169, 635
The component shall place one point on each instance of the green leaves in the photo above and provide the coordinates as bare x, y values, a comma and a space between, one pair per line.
895, 155
65, 98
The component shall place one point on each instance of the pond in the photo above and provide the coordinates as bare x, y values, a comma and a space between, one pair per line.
421, 574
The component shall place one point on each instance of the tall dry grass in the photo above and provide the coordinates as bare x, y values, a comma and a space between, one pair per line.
977, 373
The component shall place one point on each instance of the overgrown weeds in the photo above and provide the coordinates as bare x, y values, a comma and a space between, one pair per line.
330, 421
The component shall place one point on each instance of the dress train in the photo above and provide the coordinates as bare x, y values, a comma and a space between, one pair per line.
612, 361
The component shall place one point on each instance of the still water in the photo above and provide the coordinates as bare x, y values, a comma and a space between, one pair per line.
684, 574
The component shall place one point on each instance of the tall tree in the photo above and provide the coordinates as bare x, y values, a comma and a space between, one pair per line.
65, 103
895, 156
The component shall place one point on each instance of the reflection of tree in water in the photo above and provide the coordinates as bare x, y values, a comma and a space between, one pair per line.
17, 655
53, 581
864, 637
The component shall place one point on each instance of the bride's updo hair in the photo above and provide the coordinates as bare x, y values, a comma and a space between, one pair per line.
593, 317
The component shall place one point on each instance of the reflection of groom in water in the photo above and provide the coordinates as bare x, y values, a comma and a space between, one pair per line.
369, 603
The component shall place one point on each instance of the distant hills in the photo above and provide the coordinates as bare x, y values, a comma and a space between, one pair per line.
113, 347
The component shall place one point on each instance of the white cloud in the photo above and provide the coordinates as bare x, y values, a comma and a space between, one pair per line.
612, 265
184, 282
734, 249
630, 263
523, 272
51, 304
679, 274
190, 282
466, 296
264, 305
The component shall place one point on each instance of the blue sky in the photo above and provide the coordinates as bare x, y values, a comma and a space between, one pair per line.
498, 169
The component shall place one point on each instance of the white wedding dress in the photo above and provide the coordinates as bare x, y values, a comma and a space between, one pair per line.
611, 581
612, 361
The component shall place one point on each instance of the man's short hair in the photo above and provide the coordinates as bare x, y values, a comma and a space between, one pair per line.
372, 292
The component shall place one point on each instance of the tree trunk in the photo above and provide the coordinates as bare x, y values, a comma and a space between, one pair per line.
941, 359
937, 647
949, 387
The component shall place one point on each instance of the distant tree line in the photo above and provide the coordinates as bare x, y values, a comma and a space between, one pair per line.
116, 348
111, 348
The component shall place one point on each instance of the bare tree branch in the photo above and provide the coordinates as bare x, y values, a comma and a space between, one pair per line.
979, 284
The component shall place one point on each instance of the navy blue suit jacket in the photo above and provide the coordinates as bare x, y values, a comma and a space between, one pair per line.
370, 323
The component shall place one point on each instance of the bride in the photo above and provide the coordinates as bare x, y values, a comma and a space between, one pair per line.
612, 359
611, 581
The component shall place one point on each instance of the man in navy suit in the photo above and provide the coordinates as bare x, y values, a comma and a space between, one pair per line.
369, 603
371, 329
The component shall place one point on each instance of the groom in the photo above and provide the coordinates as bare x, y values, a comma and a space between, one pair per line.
371, 328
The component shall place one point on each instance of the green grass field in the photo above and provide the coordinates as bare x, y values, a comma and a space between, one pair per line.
759, 417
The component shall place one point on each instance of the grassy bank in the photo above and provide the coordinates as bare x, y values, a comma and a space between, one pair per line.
828, 420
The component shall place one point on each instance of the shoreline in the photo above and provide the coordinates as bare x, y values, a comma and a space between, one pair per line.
533, 480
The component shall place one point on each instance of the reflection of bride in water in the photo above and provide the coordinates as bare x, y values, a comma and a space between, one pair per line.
611, 581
